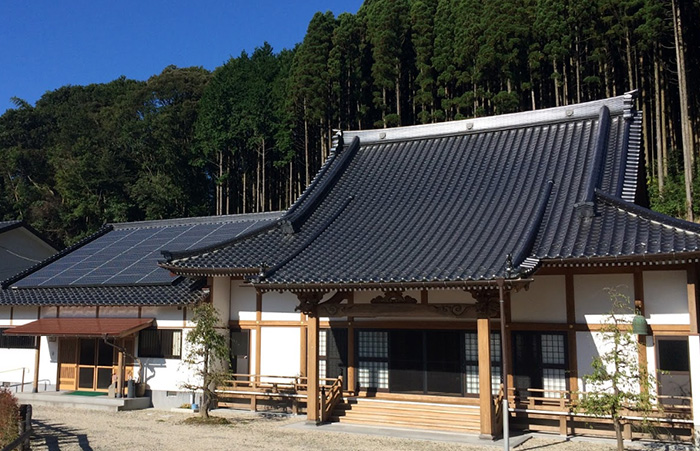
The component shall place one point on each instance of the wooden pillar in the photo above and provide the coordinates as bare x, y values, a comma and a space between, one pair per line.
352, 363
483, 329
37, 355
120, 374
308, 301
312, 407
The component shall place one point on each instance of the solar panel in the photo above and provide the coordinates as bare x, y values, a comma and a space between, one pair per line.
129, 254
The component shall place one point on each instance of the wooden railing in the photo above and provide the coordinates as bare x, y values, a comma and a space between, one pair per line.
671, 411
331, 398
25, 430
293, 389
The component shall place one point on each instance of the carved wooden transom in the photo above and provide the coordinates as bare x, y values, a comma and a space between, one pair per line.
394, 297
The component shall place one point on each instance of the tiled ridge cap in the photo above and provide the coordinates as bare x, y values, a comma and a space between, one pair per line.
308, 241
631, 158
647, 214
620, 105
520, 257
317, 191
102, 231
242, 217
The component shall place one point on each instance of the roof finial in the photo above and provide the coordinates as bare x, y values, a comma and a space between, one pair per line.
509, 265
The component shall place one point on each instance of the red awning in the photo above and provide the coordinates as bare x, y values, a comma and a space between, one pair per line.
82, 327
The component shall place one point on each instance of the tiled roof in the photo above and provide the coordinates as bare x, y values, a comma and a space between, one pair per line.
182, 291
449, 202
118, 264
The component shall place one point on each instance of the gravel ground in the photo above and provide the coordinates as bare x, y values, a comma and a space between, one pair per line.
77, 429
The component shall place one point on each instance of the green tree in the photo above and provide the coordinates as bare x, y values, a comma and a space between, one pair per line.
207, 352
617, 383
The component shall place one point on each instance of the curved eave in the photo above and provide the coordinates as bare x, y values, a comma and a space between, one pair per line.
674, 258
446, 285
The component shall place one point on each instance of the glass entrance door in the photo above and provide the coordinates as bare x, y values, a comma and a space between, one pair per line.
96, 364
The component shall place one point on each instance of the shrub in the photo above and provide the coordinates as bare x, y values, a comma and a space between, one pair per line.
9, 418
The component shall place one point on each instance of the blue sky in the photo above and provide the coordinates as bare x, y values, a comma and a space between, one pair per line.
46, 44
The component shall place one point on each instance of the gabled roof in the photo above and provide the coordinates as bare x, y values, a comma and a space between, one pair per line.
118, 264
448, 203
21, 247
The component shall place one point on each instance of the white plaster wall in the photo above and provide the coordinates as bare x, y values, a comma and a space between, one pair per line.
593, 302
24, 315
545, 301
48, 362
166, 317
590, 345
5, 315
279, 306
243, 300
119, 312
49, 312
167, 374
13, 362
666, 297
77, 312
280, 351
221, 298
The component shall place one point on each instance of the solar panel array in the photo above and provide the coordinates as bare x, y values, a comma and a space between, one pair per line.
128, 255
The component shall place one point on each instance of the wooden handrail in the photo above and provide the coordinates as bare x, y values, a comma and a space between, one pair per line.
331, 398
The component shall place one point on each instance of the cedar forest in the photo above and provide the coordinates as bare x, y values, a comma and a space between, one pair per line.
250, 135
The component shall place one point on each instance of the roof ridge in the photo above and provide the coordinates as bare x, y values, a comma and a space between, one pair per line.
521, 256
619, 105
631, 158
240, 217
648, 214
318, 189
307, 242
21, 275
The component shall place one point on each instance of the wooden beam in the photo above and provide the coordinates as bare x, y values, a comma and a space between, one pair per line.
462, 311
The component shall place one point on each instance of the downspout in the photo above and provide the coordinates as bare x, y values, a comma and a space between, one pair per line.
504, 365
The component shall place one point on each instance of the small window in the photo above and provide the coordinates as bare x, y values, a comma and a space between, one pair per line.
673, 355
16, 341
165, 343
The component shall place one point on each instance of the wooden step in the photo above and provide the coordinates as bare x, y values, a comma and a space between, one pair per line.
443, 417
412, 425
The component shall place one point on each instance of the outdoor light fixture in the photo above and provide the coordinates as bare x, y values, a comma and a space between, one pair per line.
639, 325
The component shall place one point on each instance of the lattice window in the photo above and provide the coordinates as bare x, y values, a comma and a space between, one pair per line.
553, 350
553, 379
322, 337
373, 344
322, 369
373, 375
471, 355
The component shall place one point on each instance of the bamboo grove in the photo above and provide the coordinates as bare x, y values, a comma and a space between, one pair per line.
250, 135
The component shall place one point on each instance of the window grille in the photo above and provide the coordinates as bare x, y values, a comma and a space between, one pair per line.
164, 343
16, 341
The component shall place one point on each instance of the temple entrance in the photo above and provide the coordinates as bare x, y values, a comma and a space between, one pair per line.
89, 363
425, 362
